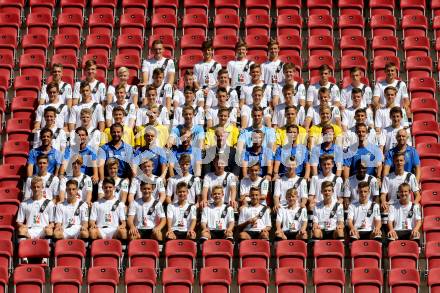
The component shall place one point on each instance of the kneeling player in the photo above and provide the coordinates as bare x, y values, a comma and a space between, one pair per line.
291, 220
72, 215
364, 219
217, 218
107, 218
146, 217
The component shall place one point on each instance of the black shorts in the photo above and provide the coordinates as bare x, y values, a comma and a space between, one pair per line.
217, 234
328, 234
254, 234
291, 235
146, 233
180, 234
363, 235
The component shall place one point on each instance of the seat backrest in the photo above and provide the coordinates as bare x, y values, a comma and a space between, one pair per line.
34, 248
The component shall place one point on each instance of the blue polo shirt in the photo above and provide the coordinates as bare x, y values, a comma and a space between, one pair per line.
301, 154
156, 154
87, 155
246, 136
412, 158
370, 154
177, 152
262, 158
55, 158
197, 132
319, 150
124, 154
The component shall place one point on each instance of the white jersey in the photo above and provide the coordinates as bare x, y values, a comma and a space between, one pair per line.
390, 137
350, 138
145, 215
65, 92
166, 64
85, 185
367, 95
284, 183
31, 213
194, 190
348, 117
142, 117
206, 73
131, 91
383, 120
59, 139
181, 216
312, 93
402, 91
313, 113
158, 186
351, 187
299, 92
239, 72
402, 216
98, 91
364, 215
199, 116
268, 93
130, 111
327, 217
211, 98
272, 71
226, 180
121, 186
279, 116
50, 184
97, 114
163, 91
246, 111
179, 97
69, 215
62, 115
392, 182
107, 214
217, 218
249, 212
315, 186
212, 114
291, 219
246, 183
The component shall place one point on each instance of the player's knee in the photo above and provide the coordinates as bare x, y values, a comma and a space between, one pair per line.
264, 234
244, 236
122, 234
84, 234
48, 231
93, 233
58, 234
317, 233
206, 234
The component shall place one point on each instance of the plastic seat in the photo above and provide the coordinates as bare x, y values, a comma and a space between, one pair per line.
316, 61
350, 61
215, 279
431, 177
131, 61
418, 66
130, 44
32, 65
8, 43
414, 25
385, 46
379, 63
143, 252
257, 44
227, 6
70, 252
290, 45
10, 23
413, 7
12, 7
255, 280
103, 6
192, 44
35, 44
433, 280
223, 44
9, 206
350, 7
73, 6
436, 26
291, 254
195, 24
403, 254
328, 253
4, 279
15, 151
180, 253
66, 279
351, 25
10, 174
67, 44
132, 24
102, 63
381, 7
18, 129
167, 7
33, 248
432, 253
101, 23
254, 253
70, 23
319, 7
226, 24
425, 131
39, 23
70, 64
9, 193
6, 222
435, 6
257, 58
354, 45
7, 64
224, 59
106, 253
169, 44
140, 279
188, 62
431, 228
320, 25
29, 278
102, 279
429, 152
196, 6
23, 108
328, 279
404, 280
416, 46
217, 253
135, 6
99, 44
40, 6
383, 25
257, 24
259, 7
176, 279
422, 88
290, 25
367, 280
290, 280
320, 45
6, 254
366, 253
164, 24
289, 7
424, 109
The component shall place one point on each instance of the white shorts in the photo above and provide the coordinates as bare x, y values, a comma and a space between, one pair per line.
36, 232
108, 232
72, 232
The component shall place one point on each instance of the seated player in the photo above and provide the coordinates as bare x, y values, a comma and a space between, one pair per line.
142, 117
349, 113
189, 100
232, 99
35, 215
328, 215
257, 102
351, 185
72, 215
363, 219
46, 148
313, 115
50, 181
405, 218
118, 115
253, 179
315, 131
131, 90
181, 216
258, 154
65, 89
85, 184
291, 220
382, 118
161, 132
97, 88
121, 184
62, 110
325, 72
59, 139
146, 216
93, 134
254, 221
128, 107
148, 176
217, 218
391, 131
107, 218
221, 102
356, 83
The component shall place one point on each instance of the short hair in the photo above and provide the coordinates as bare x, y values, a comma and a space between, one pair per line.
360, 110
288, 87
323, 90
272, 42
190, 108
122, 69
52, 85
390, 64
87, 111
292, 126
43, 157
150, 87
358, 125
326, 157
146, 182
257, 89
188, 88
289, 65
404, 185
157, 71
390, 88
36, 179
156, 42
257, 109
288, 107
185, 158
181, 185
81, 128
223, 109
72, 182
108, 180
291, 191
254, 65
50, 109
326, 184
327, 127
254, 188
77, 158
55, 65
398, 154
206, 45
395, 110
223, 71
222, 90
83, 85
355, 69
240, 44
258, 131
217, 187
118, 109
89, 63
323, 107
46, 130
119, 87
324, 67
111, 162
356, 90
363, 184
114, 125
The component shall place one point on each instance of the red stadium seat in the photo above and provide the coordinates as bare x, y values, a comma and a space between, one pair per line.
34, 249
10, 23
131, 61
432, 253
316, 61
176, 279
102, 279
4, 279
73, 6
196, 6
429, 154
418, 66
350, 61
103, 6
10, 174
99, 44
351, 25
39, 23
404, 280
69, 62
226, 24
291, 254
425, 131
424, 109
66, 279
192, 44
101, 23
320, 45
353, 45
7, 64
403, 254
188, 62
366, 253
433, 280
29, 278
328, 253
106, 253
15, 152
260, 58
27, 86
195, 24
328, 279
130, 44
413, 7
379, 63
143, 252
414, 25
351, 7
32, 65
70, 252
257, 24
381, 7
102, 63
35, 44
431, 228
23, 108
290, 45
416, 46
12, 7
6, 222
180, 253
70, 23
9, 206
224, 59
383, 25
430, 178
435, 6
319, 7
164, 24
385, 46
289, 25
289, 7
259, 7
296, 60
10, 193
224, 44
257, 44
215, 279
367, 280
132, 24
290, 280
422, 88
166, 7
67, 44
8, 43
135, 6
227, 6
140, 279
253, 280
254, 253
217, 253
320, 25
6, 254
18, 129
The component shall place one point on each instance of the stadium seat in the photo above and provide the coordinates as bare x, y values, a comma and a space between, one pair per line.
257, 44
102, 63
379, 63
7, 220
73, 6
7, 64
15, 152
99, 44
433, 280
135, 6
23, 108
413, 7
131, 61
12, 7
383, 25
102, 279
226, 24
166, 7
424, 109
6, 254
351, 25
187, 62
255, 280
106, 253
10, 174
257, 24
254, 253
215, 279
35, 44
290, 25
32, 65
290, 45
227, 6
195, 24
67, 44
422, 88
381, 7
367, 280
10, 23
9, 207
429, 152
436, 26
140, 279
217, 253
143, 252
176, 279
70, 252
4, 279
66, 279
425, 131
39, 23
403, 254
291, 254
350, 61
351, 7
404, 280
431, 228
366, 253
316, 61
103, 6
414, 25
70, 64
320, 45
70, 23
328, 279
9, 193
418, 66
223, 44
132, 24
196, 6
164, 24
289, 7
18, 129
430, 177
8, 43
416, 46
353, 45
34, 249
320, 25
101, 23
432, 253
258, 7
29, 278
319, 7
430, 198
290, 280
180, 253
224, 59
328, 253
385, 46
